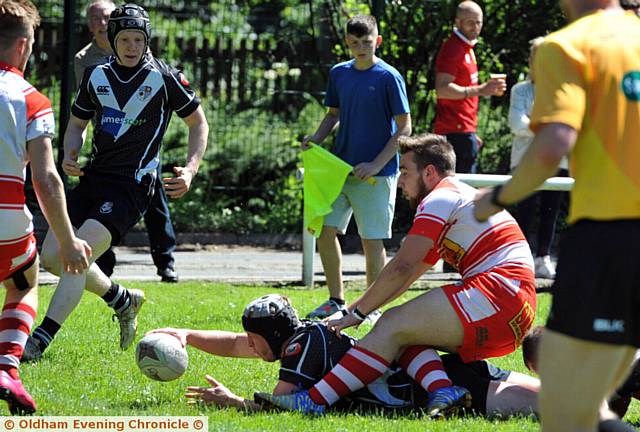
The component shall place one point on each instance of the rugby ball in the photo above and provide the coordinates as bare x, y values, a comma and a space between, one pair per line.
161, 357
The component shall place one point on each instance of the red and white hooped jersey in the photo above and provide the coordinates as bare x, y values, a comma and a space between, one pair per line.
25, 114
446, 216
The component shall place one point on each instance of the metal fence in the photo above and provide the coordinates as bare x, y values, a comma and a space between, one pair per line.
256, 65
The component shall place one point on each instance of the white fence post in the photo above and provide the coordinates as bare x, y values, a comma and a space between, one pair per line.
308, 246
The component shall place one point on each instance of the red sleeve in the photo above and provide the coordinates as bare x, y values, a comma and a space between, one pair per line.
37, 105
449, 59
40, 120
427, 225
430, 226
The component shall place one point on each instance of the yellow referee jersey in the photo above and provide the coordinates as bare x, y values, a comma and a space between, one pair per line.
588, 77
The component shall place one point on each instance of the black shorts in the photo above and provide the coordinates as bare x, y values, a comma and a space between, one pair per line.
596, 294
116, 204
475, 377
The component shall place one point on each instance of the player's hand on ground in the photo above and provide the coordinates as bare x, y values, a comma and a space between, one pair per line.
175, 187
180, 334
70, 164
365, 170
483, 207
343, 323
217, 394
75, 256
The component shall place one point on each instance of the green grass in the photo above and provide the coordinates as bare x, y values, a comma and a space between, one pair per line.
84, 372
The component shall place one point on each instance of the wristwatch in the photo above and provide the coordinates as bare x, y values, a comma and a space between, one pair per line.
494, 197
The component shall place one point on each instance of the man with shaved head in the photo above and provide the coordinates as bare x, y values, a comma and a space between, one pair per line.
588, 105
458, 89
99, 49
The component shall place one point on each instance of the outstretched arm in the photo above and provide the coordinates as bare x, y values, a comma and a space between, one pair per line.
394, 279
216, 342
219, 395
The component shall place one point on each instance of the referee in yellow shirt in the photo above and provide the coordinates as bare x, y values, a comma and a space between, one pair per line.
587, 104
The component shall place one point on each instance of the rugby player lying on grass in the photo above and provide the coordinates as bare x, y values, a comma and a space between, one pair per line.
307, 350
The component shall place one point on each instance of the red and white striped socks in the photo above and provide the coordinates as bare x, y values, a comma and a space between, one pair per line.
424, 365
355, 370
15, 325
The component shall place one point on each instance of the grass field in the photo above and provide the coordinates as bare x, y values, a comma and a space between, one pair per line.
84, 372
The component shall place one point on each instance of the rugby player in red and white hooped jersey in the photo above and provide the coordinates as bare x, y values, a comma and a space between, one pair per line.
485, 315
26, 128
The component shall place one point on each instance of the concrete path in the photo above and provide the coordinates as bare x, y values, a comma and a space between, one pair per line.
242, 264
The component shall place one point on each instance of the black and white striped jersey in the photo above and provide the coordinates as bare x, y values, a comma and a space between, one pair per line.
132, 108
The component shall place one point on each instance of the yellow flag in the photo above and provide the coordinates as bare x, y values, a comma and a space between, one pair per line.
324, 177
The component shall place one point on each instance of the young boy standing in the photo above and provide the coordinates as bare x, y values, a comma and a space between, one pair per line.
367, 98
131, 97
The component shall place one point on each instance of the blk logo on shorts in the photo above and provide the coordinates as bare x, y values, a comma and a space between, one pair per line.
106, 207
602, 325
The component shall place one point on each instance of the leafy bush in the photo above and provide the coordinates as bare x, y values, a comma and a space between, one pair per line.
247, 179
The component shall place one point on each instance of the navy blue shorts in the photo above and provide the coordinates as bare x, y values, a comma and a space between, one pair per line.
116, 204
596, 294
466, 147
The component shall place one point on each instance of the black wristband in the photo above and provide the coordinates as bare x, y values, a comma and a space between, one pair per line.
359, 315
494, 197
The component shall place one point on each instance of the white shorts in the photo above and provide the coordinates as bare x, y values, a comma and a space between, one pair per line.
372, 206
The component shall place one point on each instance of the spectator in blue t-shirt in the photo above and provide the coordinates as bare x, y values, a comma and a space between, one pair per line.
367, 98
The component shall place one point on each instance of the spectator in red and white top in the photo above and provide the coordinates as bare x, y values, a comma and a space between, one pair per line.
458, 89
26, 128
485, 315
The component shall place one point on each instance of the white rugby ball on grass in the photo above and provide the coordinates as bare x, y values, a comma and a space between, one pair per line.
161, 357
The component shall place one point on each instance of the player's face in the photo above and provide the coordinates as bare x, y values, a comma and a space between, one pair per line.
410, 181
98, 17
261, 347
470, 24
363, 48
130, 47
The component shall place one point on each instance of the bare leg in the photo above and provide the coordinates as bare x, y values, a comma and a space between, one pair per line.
577, 375
331, 256
71, 286
516, 396
375, 257
428, 319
